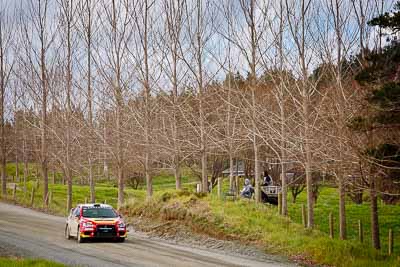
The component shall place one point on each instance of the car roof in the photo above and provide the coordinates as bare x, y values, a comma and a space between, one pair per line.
97, 205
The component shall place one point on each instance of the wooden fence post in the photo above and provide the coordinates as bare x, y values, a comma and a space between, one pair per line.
331, 233
219, 188
390, 244
303, 215
198, 188
32, 196
15, 193
280, 203
360, 231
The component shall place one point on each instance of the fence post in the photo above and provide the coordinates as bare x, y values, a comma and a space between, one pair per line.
280, 203
331, 233
390, 240
32, 196
219, 188
86, 200
303, 215
105, 201
15, 193
198, 188
360, 231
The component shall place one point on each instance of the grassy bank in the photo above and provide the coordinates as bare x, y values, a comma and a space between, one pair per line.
259, 225
12, 262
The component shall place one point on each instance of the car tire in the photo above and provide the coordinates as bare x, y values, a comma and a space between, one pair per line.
121, 240
79, 239
67, 232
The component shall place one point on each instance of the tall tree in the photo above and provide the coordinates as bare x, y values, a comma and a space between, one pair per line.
87, 8
174, 19
5, 71
299, 21
38, 34
67, 25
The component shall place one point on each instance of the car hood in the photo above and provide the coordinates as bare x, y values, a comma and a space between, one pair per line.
103, 220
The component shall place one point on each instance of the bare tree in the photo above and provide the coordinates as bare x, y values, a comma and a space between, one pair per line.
6, 64
117, 30
298, 15
38, 36
67, 25
87, 20
144, 21
174, 19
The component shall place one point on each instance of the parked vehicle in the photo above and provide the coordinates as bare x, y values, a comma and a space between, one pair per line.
269, 194
90, 221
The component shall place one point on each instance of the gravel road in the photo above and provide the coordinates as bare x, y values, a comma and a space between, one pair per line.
28, 233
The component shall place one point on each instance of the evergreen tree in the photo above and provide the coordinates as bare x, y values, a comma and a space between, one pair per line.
380, 118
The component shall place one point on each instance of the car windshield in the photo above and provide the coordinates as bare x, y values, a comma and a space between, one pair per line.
97, 212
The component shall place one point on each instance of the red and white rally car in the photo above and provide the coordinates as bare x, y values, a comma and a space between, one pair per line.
89, 221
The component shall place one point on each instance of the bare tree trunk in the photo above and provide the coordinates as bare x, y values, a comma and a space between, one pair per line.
300, 40
43, 128
282, 114
374, 214
309, 181
68, 175
203, 141
67, 12
231, 178
342, 208
16, 138
173, 11
2, 119
253, 82
87, 28
106, 171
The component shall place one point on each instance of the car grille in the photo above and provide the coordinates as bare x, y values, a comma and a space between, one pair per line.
106, 231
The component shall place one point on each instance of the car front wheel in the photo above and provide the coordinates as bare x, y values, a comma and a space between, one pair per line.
78, 237
67, 233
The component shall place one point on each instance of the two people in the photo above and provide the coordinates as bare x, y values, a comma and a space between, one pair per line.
248, 190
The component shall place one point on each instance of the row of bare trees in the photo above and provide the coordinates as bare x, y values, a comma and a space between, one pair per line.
132, 85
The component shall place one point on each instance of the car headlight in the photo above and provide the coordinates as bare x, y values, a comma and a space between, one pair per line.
121, 225
87, 224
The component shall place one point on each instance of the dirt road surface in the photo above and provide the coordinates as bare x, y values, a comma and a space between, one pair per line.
28, 233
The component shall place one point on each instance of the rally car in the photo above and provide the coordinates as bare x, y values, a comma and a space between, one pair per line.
90, 221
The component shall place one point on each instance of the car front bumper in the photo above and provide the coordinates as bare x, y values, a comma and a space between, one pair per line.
98, 233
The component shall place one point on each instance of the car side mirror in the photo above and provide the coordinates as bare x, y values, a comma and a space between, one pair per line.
119, 215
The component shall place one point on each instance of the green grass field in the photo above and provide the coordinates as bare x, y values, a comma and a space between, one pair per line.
328, 201
246, 219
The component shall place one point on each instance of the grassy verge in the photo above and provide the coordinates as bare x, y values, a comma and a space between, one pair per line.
12, 262
259, 225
